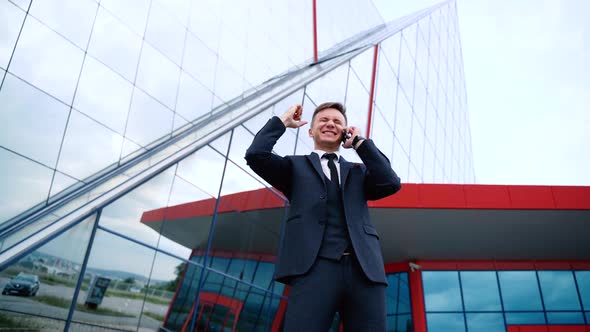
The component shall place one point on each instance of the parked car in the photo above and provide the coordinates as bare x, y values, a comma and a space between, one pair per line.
22, 284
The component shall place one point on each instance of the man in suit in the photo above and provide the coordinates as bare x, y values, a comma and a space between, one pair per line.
330, 253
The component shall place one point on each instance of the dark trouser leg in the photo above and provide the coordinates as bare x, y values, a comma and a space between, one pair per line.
314, 298
364, 301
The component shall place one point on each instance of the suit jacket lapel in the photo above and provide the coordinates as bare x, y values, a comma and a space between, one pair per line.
344, 169
314, 159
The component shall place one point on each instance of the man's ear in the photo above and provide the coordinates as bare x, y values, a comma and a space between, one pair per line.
309, 132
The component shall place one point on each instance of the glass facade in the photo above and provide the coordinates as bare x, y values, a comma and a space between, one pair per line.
492, 300
87, 87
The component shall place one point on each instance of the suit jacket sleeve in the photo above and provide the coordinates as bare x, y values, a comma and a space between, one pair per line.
380, 179
275, 169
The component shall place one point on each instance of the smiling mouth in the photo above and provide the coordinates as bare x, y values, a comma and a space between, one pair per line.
330, 132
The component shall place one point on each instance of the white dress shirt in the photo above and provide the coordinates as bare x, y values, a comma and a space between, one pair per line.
324, 162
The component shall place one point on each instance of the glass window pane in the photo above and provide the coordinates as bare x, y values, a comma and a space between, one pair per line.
513, 318
132, 12
12, 19
46, 278
331, 87
386, 91
71, 18
441, 291
480, 291
362, 66
565, 318
185, 295
115, 44
445, 322
194, 100
148, 119
403, 123
33, 122
228, 82
133, 214
47, 60
485, 323
103, 95
165, 32
520, 290
115, 291
199, 61
205, 25
158, 76
382, 134
23, 183
583, 280
559, 290
88, 147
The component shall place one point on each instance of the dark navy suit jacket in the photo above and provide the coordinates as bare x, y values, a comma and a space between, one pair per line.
302, 181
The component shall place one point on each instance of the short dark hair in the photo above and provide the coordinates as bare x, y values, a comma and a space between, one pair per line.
331, 104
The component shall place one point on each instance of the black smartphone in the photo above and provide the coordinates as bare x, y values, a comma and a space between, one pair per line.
345, 136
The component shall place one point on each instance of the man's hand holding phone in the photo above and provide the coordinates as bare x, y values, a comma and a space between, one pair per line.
348, 135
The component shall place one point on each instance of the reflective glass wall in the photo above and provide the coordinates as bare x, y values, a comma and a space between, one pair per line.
87, 84
491, 300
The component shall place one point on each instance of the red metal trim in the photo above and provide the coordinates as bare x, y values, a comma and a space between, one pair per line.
397, 267
262, 257
281, 310
315, 32
548, 328
414, 196
502, 265
372, 93
417, 298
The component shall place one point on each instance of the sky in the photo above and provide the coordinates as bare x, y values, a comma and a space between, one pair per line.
528, 87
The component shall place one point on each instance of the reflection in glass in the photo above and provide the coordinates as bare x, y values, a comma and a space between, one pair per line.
158, 76
96, 83
133, 13
70, 18
517, 318
520, 290
115, 44
565, 318
441, 291
398, 303
148, 119
165, 32
559, 290
445, 322
199, 61
583, 280
23, 184
485, 322
47, 60
132, 215
88, 147
331, 87
480, 291
194, 100
116, 288
33, 123
12, 19
46, 278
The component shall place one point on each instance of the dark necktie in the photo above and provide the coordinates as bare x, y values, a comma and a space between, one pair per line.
332, 167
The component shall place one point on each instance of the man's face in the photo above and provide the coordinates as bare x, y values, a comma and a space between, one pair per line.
326, 129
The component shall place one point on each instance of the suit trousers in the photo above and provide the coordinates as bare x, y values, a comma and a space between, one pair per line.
332, 286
